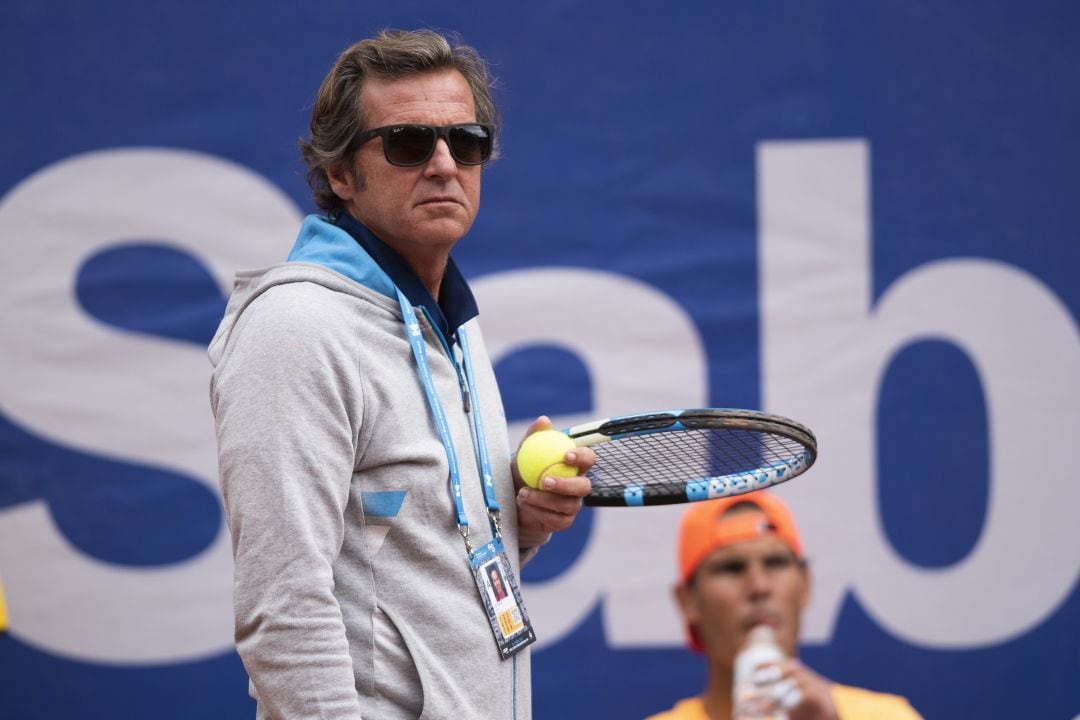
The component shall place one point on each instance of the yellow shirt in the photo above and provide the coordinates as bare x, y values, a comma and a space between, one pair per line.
3, 611
851, 704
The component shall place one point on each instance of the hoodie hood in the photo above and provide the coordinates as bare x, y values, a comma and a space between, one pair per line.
322, 243
323, 254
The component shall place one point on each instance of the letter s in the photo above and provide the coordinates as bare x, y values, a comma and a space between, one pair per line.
127, 396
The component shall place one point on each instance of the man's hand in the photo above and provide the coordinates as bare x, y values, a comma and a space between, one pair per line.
797, 689
554, 506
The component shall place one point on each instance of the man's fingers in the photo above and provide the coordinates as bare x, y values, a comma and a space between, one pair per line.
543, 422
564, 503
538, 517
583, 458
786, 693
577, 486
553, 506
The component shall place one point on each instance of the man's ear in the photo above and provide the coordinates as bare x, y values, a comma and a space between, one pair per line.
687, 601
342, 181
804, 595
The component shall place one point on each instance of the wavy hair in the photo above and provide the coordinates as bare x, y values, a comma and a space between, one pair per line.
338, 116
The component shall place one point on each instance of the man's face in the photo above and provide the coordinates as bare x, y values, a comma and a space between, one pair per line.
758, 581
423, 210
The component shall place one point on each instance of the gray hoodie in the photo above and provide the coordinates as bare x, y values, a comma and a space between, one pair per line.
352, 589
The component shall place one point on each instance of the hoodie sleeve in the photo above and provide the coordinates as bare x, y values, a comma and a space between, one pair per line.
288, 401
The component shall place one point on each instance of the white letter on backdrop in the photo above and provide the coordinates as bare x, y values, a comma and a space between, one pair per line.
100, 390
642, 352
826, 348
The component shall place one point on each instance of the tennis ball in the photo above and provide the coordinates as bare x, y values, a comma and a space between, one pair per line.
541, 455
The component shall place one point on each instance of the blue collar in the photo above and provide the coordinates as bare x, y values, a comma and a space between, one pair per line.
456, 304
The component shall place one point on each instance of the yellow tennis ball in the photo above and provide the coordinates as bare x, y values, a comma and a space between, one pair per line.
542, 455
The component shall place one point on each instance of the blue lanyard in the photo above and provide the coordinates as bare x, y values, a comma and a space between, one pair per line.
476, 425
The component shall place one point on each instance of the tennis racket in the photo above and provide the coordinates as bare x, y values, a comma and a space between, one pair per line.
679, 456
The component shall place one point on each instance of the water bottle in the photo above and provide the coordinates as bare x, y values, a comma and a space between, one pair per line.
752, 701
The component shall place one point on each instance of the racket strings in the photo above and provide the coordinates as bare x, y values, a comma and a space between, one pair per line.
664, 463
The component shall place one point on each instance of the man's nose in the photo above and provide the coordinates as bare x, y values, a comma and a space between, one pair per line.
441, 161
758, 580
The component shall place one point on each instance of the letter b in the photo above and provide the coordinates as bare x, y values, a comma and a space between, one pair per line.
826, 347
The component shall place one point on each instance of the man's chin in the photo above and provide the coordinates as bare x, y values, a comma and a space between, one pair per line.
442, 231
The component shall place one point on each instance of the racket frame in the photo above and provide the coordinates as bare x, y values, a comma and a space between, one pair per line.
612, 429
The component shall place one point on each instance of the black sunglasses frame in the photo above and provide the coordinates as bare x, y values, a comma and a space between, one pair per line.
440, 131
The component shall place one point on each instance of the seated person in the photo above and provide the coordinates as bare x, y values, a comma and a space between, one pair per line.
741, 565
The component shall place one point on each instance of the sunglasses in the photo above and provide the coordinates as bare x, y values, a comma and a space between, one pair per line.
411, 145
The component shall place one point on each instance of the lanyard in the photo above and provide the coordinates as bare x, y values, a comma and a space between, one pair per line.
476, 425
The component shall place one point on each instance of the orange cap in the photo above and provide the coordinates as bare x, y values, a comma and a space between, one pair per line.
705, 529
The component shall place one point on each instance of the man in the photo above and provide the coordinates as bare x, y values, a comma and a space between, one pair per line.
364, 462
741, 565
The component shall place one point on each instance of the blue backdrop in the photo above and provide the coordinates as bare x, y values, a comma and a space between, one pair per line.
862, 215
